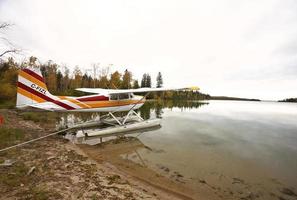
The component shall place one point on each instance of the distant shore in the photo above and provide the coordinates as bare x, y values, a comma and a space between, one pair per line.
290, 100
232, 98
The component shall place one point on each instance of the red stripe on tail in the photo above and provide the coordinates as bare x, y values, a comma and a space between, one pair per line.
37, 76
28, 89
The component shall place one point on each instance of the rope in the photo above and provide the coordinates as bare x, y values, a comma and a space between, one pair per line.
33, 140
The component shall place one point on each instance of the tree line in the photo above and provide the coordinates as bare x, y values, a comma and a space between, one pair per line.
60, 80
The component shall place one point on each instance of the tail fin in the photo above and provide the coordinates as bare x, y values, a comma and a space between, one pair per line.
31, 87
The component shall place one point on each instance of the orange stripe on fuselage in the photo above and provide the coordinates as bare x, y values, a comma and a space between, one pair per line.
30, 95
76, 102
32, 79
99, 104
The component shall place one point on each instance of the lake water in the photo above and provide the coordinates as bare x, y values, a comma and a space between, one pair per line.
233, 146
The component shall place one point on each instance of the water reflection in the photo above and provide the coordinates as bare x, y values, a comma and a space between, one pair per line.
227, 141
156, 107
99, 139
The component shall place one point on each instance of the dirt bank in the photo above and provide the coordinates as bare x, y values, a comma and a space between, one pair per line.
54, 168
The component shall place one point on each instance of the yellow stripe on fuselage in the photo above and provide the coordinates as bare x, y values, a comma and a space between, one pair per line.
30, 95
32, 79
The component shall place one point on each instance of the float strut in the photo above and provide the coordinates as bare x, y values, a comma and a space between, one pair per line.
115, 118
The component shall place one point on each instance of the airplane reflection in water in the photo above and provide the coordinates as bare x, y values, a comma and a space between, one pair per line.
99, 139
151, 109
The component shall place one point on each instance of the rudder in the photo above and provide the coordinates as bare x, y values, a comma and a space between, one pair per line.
31, 87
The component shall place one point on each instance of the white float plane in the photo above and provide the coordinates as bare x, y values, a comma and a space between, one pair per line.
33, 93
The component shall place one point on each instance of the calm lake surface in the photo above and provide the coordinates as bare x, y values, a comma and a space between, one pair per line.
222, 141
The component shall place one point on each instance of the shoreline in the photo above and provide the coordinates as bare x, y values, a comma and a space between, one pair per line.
137, 172
215, 185
56, 168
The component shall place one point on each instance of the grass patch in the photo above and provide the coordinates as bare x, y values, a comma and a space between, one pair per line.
10, 136
7, 104
14, 175
41, 193
38, 116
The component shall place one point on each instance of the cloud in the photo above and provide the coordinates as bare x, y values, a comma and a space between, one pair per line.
222, 46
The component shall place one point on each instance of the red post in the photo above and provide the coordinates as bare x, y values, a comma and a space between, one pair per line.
1, 120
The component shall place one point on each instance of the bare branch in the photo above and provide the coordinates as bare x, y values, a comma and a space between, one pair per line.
9, 51
6, 43
4, 25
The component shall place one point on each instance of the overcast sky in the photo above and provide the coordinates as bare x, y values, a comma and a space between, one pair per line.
244, 48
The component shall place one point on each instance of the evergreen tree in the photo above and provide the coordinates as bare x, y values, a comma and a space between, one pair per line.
159, 80
85, 81
59, 77
143, 80
135, 84
148, 81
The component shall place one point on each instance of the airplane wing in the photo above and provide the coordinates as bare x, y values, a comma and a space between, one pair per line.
138, 90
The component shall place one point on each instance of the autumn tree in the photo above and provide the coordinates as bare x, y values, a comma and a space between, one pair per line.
103, 78
76, 83
8, 79
51, 80
115, 80
127, 78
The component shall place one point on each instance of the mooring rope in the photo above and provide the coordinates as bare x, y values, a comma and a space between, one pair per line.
35, 139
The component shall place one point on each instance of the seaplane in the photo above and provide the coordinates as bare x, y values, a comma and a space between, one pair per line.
32, 93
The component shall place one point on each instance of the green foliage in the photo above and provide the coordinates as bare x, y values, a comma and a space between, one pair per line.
135, 84
146, 80
10, 104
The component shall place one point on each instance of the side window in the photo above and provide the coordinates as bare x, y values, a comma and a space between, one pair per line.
124, 96
113, 97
